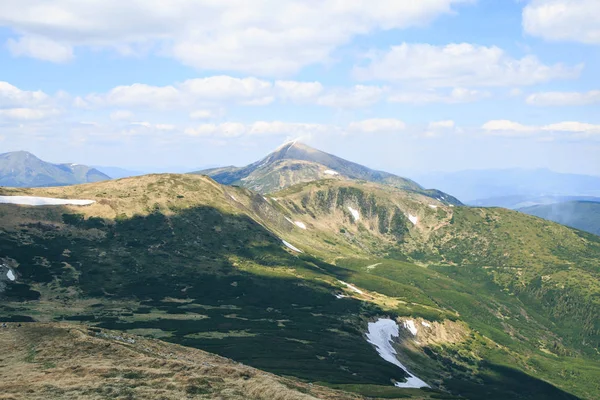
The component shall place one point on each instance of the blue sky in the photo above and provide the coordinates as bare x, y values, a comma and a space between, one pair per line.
434, 85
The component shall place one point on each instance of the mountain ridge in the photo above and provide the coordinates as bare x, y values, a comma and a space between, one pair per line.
23, 169
294, 162
205, 265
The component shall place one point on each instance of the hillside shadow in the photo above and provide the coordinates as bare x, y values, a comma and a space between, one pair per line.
218, 282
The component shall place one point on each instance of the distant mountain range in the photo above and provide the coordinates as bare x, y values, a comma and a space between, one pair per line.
514, 188
295, 162
23, 169
584, 215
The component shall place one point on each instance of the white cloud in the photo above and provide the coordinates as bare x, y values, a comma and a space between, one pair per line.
203, 92
263, 37
40, 48
455, 96
121, 115
262, 128
563, 20
459, 65
564, 98
515, 129
377, 125
27, 114
298, 91
447, 124
227, 88
507, 128
439, 128
355, 97
12, 96
207, 113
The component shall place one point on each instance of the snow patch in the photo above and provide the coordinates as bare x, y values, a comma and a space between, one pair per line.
352, 287
339, 296
355, 213
265, 199
451, 205
373, 266
380, 335
291, 247
432, 206
426, 324
233, 197
289, 220
300, 225
331, 172
413, 219
42, 201
410, 325
10, 275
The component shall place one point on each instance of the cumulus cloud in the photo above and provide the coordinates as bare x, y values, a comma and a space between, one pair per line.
40, 48
459, 65
377, 125
12, 96
28, 114
260, 37
121, 115
260, 128
24, 105
207, 113
455, 96
515, 129
564, 98
203, 92
563, 20
355, 97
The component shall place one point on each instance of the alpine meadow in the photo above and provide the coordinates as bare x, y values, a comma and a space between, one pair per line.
295, 200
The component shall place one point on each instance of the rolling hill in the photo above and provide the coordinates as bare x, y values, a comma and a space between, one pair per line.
23, 169
489, 303
584, 215
295, 162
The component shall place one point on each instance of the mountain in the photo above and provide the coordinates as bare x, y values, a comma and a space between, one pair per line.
353, 285
23, 169
296, 162
584, 215
512, 188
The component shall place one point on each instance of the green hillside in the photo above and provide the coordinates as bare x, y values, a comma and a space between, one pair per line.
584, 215
504, 303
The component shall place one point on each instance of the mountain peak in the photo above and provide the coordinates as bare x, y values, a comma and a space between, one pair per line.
295, 162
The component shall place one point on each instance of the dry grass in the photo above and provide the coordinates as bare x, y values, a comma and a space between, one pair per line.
59, 361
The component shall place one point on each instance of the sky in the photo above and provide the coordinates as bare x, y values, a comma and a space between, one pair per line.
400, 85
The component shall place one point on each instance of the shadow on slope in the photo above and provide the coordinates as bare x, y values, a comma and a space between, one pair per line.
202, 278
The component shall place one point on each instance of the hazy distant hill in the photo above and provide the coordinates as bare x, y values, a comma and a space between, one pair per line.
584, 215
512, 188
23, 169
296, 162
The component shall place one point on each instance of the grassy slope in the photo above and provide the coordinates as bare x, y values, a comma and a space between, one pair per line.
529, 284
160, 264
45, 361
584, 215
